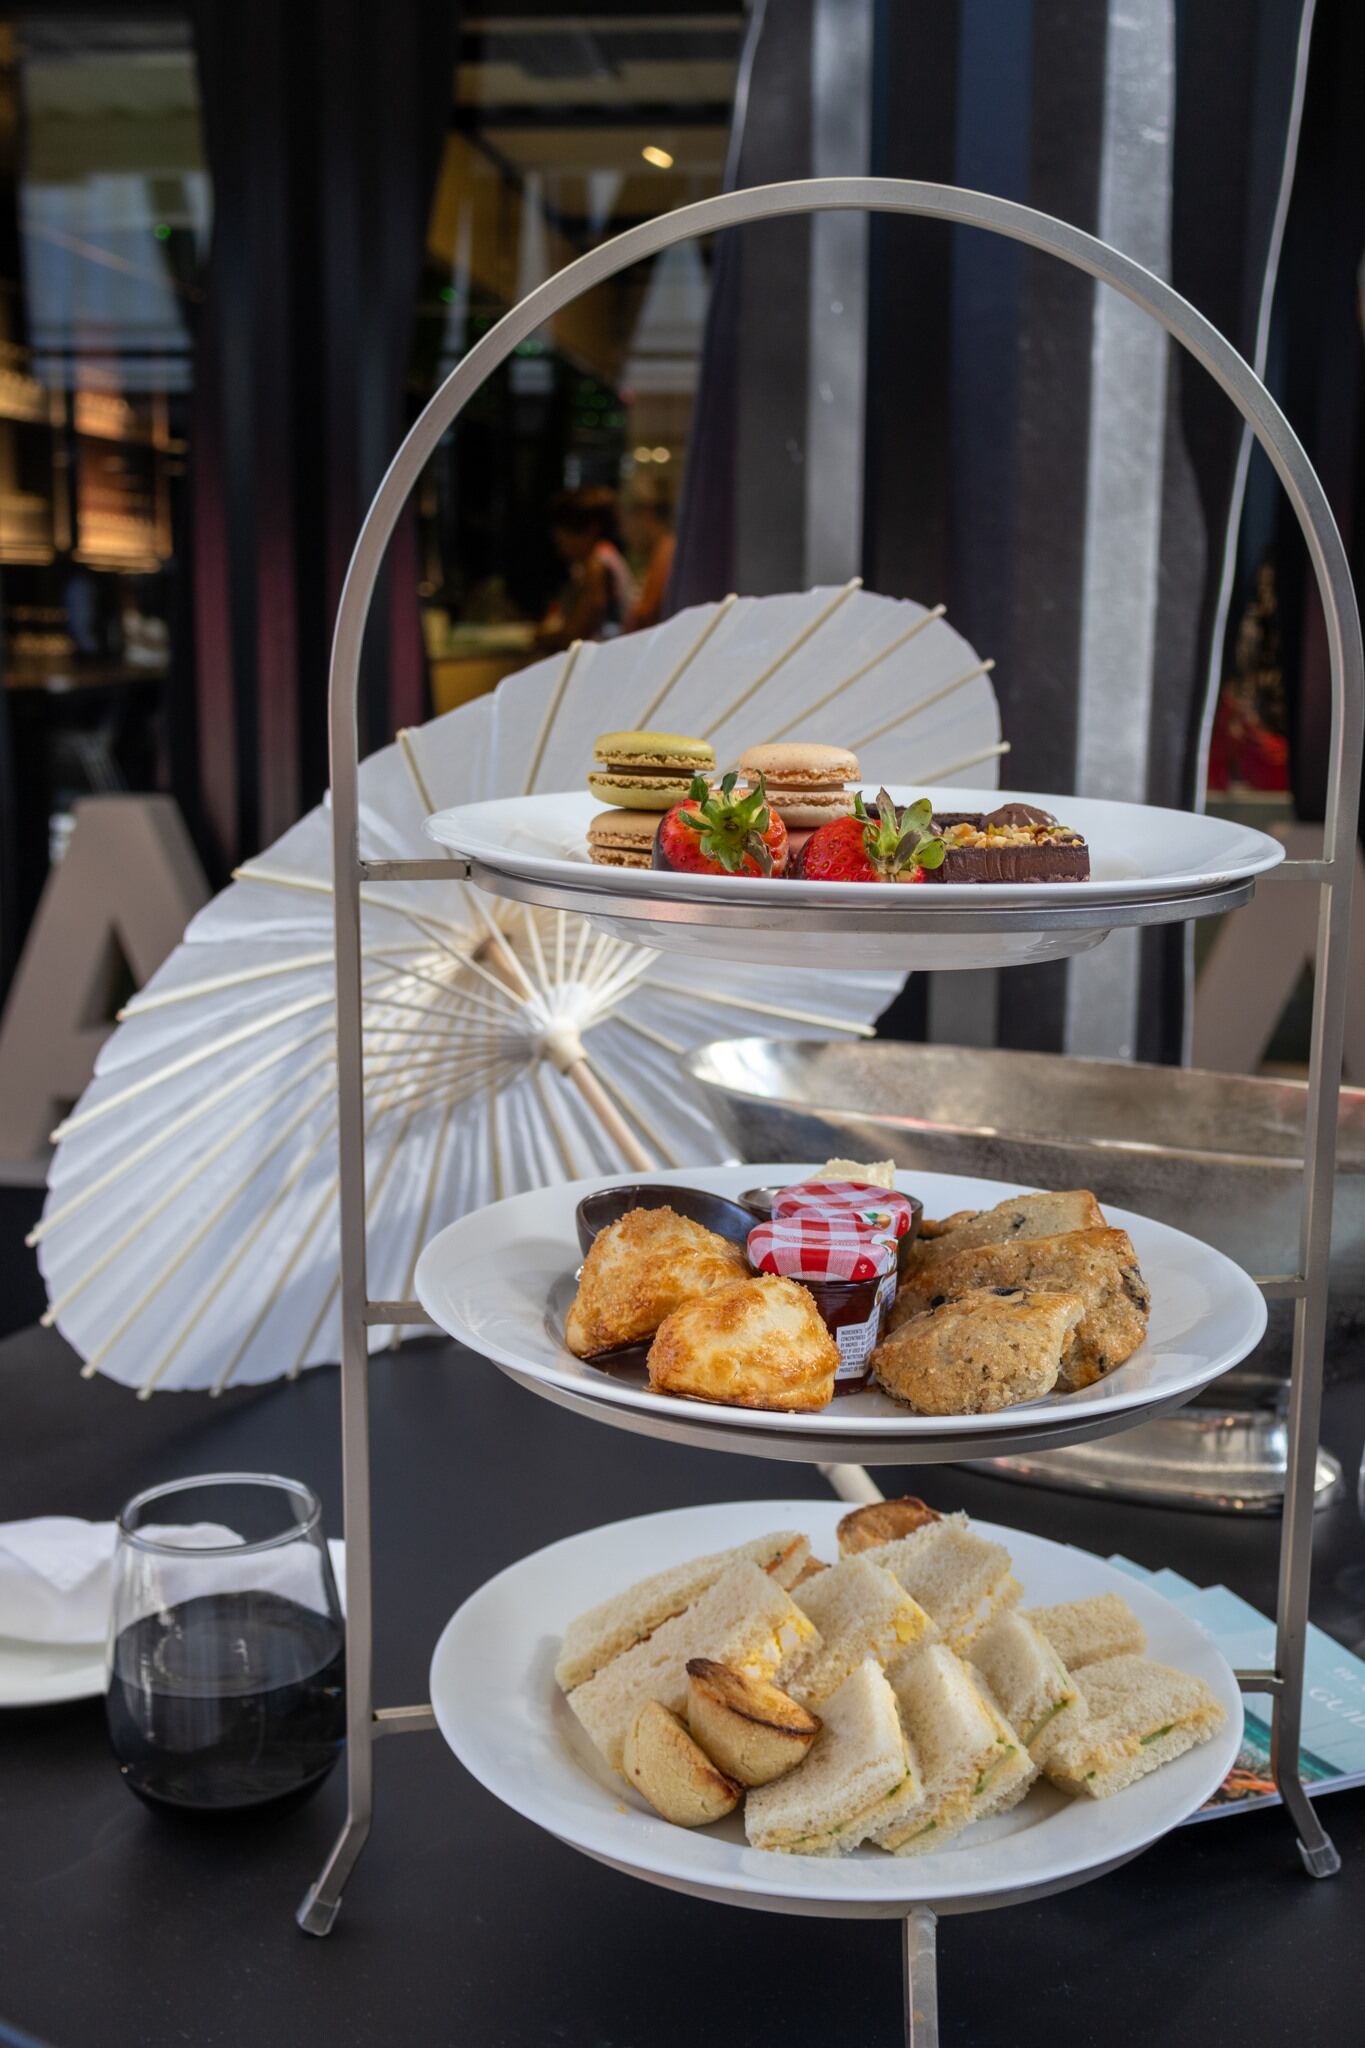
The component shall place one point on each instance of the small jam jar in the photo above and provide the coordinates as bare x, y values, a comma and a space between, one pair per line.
847, 1268
885, 1210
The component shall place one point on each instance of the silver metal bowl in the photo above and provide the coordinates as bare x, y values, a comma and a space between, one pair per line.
1219, 1155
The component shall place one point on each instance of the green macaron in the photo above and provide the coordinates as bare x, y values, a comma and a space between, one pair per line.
647, 771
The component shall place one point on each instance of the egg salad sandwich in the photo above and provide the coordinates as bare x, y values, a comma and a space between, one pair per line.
1141, 1715
603, 1632
1086, 1631
860, 1770
957, 1577
860, 1611
745, 1620
1028, 1681
971, 1762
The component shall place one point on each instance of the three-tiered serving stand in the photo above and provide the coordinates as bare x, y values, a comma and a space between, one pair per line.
912, 914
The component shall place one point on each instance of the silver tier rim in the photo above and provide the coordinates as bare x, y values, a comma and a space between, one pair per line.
886, 918
850, 1449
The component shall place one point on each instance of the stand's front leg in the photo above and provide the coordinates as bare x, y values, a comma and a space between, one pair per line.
921, 1978
322, 1902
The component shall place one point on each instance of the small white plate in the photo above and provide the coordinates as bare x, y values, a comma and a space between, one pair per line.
497, 1281
1140, 856
496, 1703
44, 1674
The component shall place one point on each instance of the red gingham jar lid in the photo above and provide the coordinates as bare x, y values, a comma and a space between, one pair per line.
831, 1247
885, 1209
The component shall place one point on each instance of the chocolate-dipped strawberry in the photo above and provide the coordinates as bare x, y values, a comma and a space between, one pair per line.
722, 831
885, 845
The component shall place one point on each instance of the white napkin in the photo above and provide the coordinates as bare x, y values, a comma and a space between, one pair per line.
55, 1574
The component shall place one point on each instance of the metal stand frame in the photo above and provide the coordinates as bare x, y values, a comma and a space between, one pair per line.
1332, 875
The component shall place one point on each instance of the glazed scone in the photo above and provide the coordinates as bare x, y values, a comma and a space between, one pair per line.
673, 1771
638, 1271
1099, 1265
1041, 1215
979, 1353
760, 1343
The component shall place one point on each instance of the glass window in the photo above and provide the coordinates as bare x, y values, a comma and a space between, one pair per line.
547, 514
104, 224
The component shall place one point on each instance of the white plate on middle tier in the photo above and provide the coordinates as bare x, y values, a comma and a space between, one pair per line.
497, 1704
497, 1280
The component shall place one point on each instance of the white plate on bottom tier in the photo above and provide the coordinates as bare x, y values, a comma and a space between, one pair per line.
496, 1280
496, 1703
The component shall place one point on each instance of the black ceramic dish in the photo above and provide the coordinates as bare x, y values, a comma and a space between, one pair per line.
730, 1220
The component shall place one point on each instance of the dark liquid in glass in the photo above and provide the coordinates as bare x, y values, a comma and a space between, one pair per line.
228, 1700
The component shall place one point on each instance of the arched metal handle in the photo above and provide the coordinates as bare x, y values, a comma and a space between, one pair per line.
873, 195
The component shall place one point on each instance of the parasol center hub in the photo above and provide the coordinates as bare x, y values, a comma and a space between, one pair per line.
561, 1044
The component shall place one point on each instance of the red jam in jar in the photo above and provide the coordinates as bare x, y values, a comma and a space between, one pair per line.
850, 1271
884, 1210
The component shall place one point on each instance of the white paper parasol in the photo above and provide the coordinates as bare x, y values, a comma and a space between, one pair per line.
189, 1235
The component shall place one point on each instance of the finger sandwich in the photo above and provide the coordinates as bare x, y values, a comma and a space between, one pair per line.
1141, 1715
1029, 1683
860, 1611
860, 1769
971, 1762
592, 1639
745, 1620
1086, 1631
958, 1578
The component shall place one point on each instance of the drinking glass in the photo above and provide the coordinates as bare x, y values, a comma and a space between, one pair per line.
227, 1649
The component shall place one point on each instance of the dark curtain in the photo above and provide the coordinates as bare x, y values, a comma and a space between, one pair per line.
981, 395
990, 514
1318, 373
324, 123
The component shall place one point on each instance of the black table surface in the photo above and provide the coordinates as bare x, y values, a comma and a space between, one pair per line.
463, 1924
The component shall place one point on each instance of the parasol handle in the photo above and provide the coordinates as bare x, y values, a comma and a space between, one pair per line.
609, 1116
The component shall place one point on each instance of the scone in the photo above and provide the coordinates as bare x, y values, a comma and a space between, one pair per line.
1042, 1215
638, 1271
1099, 1265
983, 1351
760, 1343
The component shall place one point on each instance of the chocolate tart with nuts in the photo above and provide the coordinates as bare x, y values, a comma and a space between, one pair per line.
1016, 843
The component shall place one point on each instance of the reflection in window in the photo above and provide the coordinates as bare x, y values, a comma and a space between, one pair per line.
104, 224
550, 506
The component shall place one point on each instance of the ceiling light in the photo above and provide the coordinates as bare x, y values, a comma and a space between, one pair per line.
660, 158
644, 455
661, 455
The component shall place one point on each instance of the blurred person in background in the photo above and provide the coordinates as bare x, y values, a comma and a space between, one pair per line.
647, 520
598, 593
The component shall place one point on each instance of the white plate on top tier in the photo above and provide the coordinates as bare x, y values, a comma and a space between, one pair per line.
1147, 866
497, 1704
500, 1280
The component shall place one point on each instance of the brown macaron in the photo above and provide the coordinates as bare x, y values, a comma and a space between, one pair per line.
805, 781
622, 839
